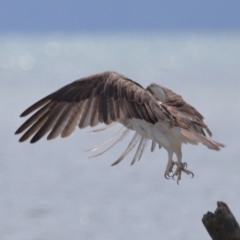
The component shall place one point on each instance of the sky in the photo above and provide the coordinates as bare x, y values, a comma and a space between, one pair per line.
118, 15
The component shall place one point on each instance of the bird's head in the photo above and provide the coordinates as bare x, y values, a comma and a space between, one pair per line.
158, 91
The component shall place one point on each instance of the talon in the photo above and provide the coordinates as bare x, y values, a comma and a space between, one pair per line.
178, 174
175, 174
181, 167
188, 172
184, 165
178, 180
166, 176
169, 170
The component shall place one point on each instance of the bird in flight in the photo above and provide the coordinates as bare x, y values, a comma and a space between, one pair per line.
155, 114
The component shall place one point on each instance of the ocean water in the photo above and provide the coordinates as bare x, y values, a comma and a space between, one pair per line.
51, 190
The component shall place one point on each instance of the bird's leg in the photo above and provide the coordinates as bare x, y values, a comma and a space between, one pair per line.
170, 164
181, 167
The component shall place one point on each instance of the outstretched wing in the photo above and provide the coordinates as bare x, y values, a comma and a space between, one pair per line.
101, 98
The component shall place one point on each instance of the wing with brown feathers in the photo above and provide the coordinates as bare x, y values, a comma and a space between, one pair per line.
187, 116
101, 98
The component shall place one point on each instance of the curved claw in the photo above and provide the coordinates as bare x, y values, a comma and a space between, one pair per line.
181, 168
184, 165
175, 174
178, 181
179, 176
191, 174
167, 176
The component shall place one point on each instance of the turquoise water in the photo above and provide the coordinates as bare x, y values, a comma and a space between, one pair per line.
50, 190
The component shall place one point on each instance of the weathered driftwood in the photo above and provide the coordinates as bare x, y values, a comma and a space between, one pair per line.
221, 225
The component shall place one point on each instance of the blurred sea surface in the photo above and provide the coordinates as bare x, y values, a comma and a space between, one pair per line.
51, 190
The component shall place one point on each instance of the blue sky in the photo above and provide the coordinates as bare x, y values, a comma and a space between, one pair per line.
118, 15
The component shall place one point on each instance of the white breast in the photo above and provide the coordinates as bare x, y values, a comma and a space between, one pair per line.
162, 133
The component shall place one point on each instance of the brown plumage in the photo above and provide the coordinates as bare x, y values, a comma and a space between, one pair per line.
155, 113
100, 98
182, 110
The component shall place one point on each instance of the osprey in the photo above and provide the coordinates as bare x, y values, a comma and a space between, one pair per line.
155, 113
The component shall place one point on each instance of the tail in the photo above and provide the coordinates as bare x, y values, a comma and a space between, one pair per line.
195, 138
